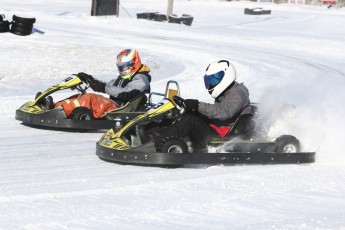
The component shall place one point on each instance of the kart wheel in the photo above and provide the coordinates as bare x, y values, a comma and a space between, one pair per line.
82, 114
172, 145
287, 144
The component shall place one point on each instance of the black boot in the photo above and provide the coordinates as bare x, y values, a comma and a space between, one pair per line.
48, 103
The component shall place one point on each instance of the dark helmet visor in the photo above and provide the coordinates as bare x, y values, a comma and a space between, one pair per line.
212, 80
125, 66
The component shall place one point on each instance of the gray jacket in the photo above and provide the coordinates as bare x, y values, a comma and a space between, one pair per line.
228, 105
139, 82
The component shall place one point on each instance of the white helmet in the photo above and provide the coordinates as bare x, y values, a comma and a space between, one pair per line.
219, 76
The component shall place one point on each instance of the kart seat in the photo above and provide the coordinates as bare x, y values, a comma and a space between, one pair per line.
243, 126
132, 105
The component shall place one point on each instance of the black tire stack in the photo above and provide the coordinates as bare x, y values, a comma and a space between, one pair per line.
174, 19
184, 19
4, 24
160, 18
146, 15
22, 26
187, 19
256, 11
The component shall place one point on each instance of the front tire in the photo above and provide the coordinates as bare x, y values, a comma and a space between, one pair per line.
82, 114
287, 144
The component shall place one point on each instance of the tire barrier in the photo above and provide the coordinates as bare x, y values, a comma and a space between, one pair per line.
184, 19
174, 19
256, 11
160, 18
4, 24
22, 26
146, 15
187, 19
19, 25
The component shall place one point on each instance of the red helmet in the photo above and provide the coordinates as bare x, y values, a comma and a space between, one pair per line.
128, 62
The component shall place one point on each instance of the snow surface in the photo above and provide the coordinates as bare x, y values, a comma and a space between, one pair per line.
54, 180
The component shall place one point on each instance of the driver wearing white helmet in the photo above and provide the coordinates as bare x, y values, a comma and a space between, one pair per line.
201, 118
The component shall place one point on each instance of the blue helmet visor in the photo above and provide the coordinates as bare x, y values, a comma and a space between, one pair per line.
212, 80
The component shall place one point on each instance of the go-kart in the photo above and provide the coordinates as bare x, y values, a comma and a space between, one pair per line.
140, 142
35, 113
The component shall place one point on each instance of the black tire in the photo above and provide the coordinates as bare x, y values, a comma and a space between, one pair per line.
142, 16
150, 16
146, 15
253, 11
4, 26
172, 145
2, 16
174, 19
20, 33
24, 20
160, 17
22, 25
287, 144
4, 29
247, 11
187, 19
4, 23
20, 29
81, 114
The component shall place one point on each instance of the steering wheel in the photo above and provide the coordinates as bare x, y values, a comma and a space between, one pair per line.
179, 101
79, 87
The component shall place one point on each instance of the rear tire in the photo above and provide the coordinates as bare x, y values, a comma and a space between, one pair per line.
82, 114
172, 145
287, 144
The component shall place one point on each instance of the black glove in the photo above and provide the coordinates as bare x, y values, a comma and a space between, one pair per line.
97, 86
191, 104
84, 77
188, 104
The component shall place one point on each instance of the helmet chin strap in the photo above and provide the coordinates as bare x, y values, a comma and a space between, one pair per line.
125, 77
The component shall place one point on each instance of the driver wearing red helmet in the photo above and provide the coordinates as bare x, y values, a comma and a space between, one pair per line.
133, 79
